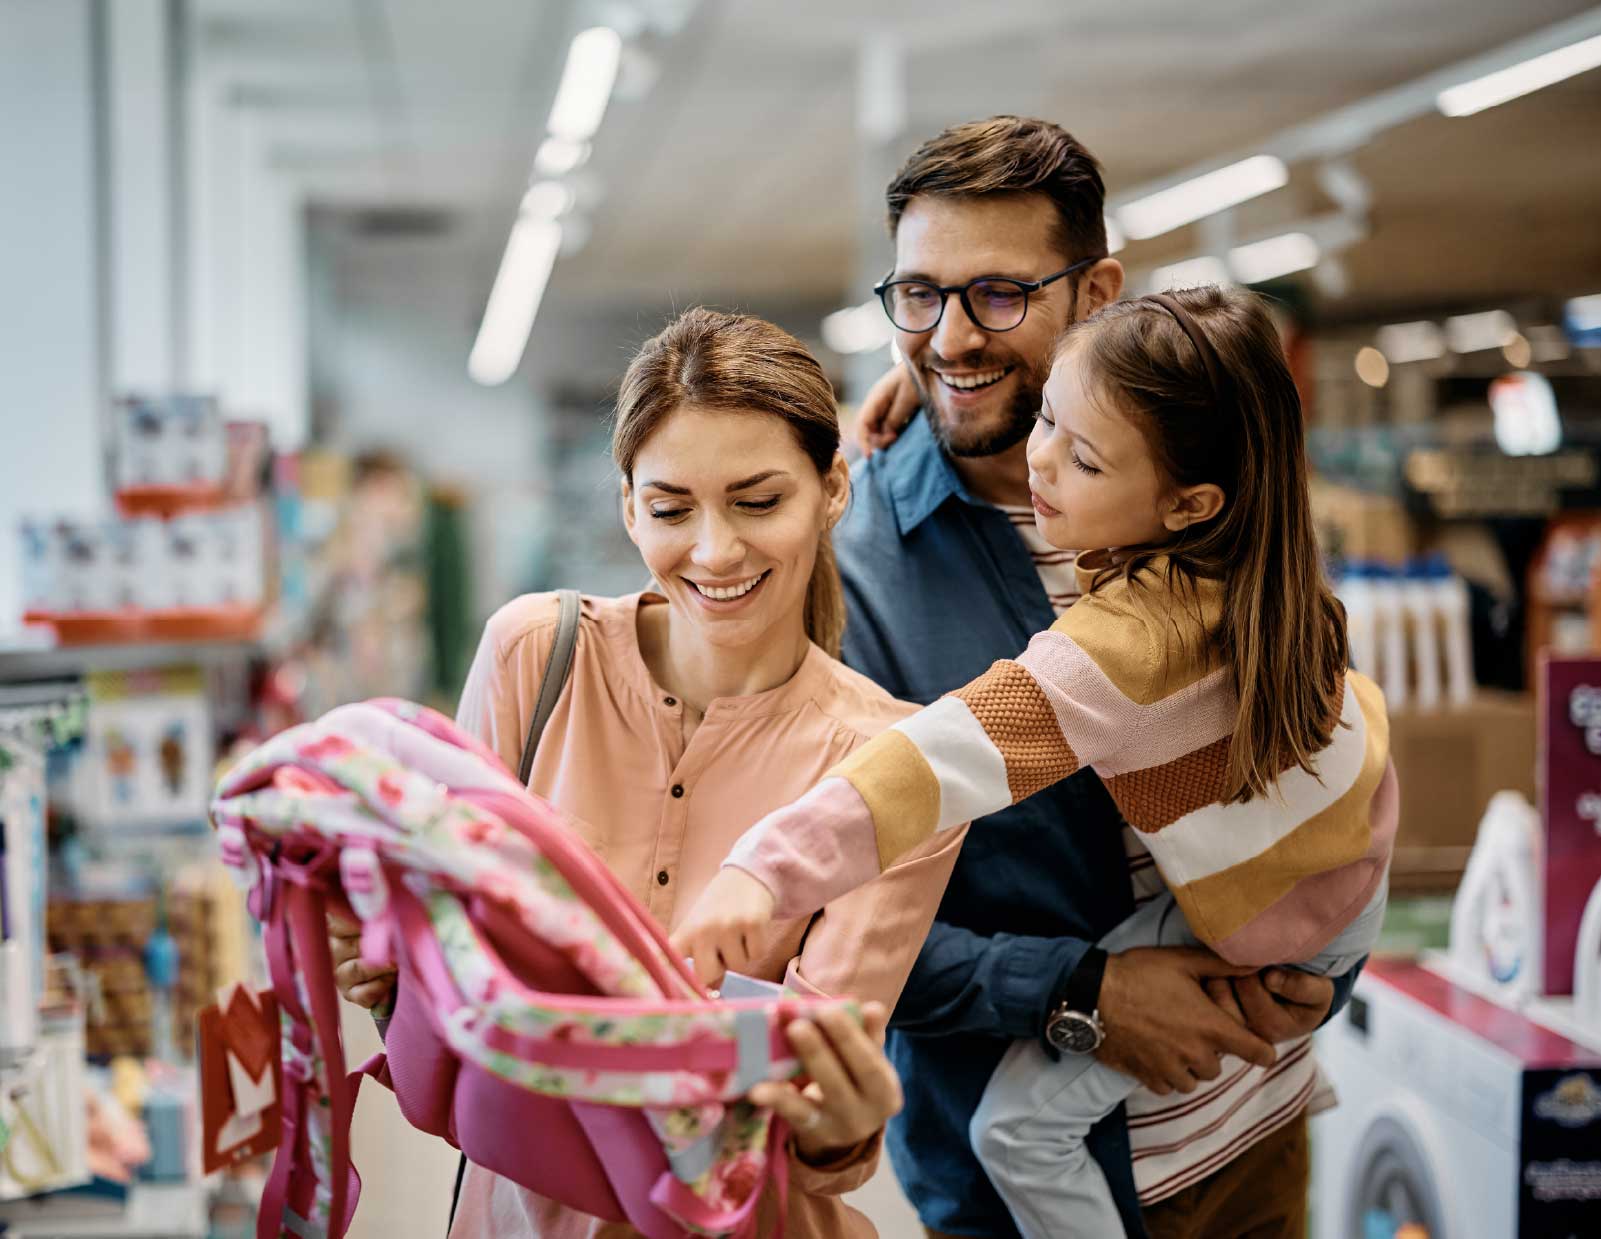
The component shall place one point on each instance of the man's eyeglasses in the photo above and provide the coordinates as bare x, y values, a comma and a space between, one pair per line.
993, 302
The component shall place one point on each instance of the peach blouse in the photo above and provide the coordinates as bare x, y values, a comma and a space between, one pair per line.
663, 815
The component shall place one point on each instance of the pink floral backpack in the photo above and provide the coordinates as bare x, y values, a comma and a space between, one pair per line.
542, 1023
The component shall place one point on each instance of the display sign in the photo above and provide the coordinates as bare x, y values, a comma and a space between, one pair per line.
1570, 803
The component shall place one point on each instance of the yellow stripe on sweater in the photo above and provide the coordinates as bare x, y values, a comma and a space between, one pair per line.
902, 793
1222, 903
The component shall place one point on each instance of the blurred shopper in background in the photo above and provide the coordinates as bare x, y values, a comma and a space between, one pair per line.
1000, 243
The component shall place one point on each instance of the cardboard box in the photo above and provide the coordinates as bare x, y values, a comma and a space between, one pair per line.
1450, 762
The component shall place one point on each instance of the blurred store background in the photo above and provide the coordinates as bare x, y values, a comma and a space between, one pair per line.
315, 314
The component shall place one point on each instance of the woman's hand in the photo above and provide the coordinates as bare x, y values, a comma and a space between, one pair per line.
363, 985
723, 930
854, 1089
888, 407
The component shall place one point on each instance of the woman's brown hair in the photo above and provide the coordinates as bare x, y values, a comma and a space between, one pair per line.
739, 364
1283, 631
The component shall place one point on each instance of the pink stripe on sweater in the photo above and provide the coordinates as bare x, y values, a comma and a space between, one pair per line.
1114, 734
1317, 909
812, 851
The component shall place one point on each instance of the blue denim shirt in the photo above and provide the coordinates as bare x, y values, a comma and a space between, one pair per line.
937, 587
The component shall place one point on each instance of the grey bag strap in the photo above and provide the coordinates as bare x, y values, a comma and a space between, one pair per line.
555, 679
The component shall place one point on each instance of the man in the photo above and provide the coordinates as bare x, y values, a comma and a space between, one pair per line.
999, 244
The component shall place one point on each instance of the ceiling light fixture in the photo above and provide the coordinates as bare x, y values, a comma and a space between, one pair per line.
1201, 196
1474, 333
1115, 240
1520, 79
514, 301
1404, 342
586, 84
547, 200
1261, 261
559, 156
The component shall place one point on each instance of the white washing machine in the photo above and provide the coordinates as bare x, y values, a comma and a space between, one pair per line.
1458, 1119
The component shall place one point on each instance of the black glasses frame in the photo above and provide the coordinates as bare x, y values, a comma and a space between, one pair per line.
884, 289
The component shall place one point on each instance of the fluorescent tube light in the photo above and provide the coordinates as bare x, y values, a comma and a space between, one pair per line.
547, 200
1520, 79
519, 285
1473, 333
559, 156
586, 84
1190, 273
1205, 195
1267, 260
1404, 342
1115, 240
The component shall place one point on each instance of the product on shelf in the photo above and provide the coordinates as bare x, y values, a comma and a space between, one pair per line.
1564, 589
196, 575
108, 936
149, 752
1408, 628
167, 448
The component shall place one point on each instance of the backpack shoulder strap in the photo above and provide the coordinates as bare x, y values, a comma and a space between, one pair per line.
557, 669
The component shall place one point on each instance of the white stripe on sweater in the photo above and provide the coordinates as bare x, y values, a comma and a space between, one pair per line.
1220, 836
970, 769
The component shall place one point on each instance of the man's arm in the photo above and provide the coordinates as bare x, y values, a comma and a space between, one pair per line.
1161, 1026
1000, 985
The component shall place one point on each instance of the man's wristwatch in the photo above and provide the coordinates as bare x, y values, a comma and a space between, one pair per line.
1074, 1026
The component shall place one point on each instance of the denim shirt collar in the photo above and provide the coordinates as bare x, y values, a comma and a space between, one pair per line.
921, 477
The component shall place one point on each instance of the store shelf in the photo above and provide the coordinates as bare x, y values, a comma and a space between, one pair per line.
168, 501
152, 1211
32, 662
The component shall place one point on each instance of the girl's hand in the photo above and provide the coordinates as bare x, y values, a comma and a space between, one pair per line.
889, 406
366, 987
724, 927
854, 1089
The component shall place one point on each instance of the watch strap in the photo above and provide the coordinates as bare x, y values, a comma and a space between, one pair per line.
1082, 992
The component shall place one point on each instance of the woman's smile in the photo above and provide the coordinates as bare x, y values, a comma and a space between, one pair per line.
724, 596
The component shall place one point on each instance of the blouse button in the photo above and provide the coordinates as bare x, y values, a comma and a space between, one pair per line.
678, 791
672, 701
661, 878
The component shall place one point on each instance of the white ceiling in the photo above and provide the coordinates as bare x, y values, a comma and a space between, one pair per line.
727, 168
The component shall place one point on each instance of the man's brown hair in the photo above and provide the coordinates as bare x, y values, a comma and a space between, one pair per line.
1011, 155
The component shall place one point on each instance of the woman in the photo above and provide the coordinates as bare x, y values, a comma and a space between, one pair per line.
692, 711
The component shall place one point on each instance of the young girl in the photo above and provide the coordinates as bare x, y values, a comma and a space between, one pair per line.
1203, 677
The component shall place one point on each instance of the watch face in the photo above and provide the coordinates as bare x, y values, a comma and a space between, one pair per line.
1074, 1032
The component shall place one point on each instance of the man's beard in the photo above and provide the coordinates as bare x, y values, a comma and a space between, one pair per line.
1017, 422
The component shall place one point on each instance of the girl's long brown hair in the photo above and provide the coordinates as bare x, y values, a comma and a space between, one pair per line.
739, 364
1283, 631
